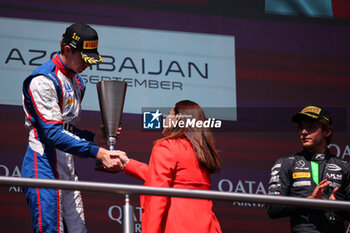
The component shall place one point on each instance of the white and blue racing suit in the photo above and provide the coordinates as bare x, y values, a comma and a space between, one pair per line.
52, 97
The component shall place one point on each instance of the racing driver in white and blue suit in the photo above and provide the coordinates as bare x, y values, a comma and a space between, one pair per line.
52, 97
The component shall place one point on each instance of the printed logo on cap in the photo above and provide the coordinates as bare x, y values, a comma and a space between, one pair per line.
90, 44
312, 109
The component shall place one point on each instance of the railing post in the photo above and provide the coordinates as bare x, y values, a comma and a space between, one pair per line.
128, 220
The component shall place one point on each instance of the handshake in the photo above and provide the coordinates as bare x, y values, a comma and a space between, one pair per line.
112, 160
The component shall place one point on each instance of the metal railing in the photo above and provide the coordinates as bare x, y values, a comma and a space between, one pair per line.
127, 190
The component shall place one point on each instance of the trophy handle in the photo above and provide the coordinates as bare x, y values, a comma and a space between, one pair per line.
111, 141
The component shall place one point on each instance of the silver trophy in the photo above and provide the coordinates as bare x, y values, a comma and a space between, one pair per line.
111, 96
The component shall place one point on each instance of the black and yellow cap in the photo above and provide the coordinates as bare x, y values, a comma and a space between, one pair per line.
84, 39
313, 112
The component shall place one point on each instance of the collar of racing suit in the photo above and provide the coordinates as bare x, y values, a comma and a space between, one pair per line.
62, 67
316, 156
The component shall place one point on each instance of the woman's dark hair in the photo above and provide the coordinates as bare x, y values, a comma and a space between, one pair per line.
200, 137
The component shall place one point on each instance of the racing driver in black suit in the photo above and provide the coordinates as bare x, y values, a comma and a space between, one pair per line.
311, 173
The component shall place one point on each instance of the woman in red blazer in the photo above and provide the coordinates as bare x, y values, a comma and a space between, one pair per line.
184, 158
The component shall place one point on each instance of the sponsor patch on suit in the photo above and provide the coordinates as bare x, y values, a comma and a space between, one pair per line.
302, 183
297, 175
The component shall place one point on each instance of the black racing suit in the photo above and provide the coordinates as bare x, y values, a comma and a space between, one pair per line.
292, 176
